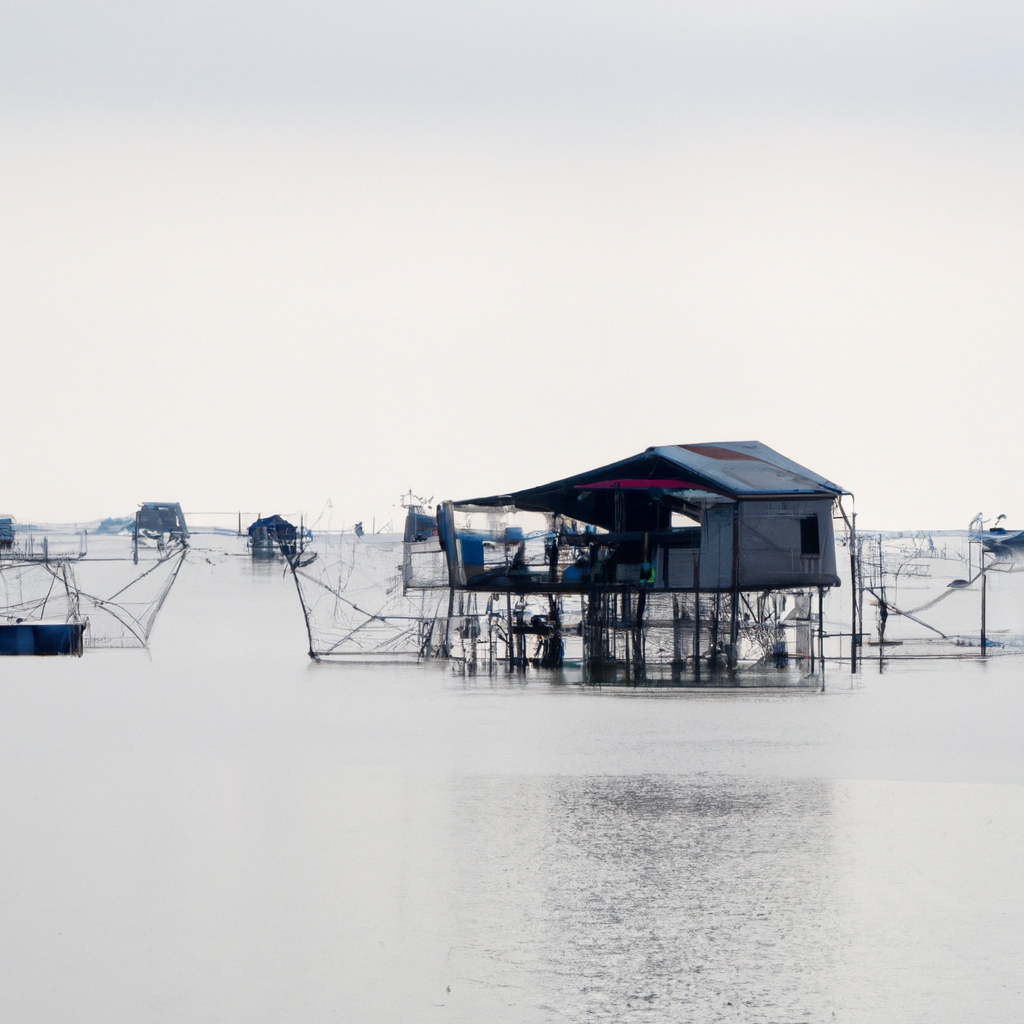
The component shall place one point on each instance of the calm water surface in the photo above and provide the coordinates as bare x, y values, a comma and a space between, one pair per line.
220, 831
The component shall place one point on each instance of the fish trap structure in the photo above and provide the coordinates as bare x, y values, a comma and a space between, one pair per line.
355, 603
64, 591
939, 594
681, 560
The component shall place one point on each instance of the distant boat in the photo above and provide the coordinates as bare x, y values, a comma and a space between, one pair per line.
997, 537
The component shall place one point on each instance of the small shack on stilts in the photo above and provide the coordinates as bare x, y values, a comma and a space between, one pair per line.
680, 561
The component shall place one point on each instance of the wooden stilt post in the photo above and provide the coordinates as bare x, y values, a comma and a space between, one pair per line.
696, 614
821, 634
585, 635
860, 598
508, 609
448, 622
984, 595
734, 625
714, 630
677, 646
812, 662
883, 610
624, 617
855, 635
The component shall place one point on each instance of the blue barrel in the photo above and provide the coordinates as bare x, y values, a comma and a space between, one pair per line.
472, 553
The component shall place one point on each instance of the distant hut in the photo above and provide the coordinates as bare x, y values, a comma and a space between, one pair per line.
270, 534
160, 521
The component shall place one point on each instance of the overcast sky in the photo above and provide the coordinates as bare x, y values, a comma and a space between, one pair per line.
262, 255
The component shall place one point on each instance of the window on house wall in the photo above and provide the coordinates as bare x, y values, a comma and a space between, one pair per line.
810, 544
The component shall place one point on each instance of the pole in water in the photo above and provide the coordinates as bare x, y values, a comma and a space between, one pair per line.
714, 631
448, 622
584, 612
855, 637
508, 635
734, 623
821, 634
696, 615
984, 582
883, 608
812, 663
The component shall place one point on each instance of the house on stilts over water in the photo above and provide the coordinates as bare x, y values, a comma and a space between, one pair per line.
680, 560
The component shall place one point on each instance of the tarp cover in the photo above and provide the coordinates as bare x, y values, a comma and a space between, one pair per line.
276, 526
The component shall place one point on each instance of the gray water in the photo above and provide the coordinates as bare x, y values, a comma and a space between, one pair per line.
221, 831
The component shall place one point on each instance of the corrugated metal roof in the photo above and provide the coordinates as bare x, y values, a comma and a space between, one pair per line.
735, 469
746, 468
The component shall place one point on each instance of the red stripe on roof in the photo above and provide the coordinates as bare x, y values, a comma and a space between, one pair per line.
640, 485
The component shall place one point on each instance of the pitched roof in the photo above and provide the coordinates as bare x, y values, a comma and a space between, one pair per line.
746, 468
735, 469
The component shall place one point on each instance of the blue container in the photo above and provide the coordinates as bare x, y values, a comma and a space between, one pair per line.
472, 553
42, 639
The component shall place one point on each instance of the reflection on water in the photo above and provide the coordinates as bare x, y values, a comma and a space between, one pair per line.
698, 899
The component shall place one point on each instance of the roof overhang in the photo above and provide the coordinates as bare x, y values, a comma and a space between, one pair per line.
736, 470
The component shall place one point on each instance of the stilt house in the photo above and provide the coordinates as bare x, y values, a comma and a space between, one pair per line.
728, 516
657, 558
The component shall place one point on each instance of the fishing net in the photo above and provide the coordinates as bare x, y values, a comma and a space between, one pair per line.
355, 602
103, 582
